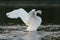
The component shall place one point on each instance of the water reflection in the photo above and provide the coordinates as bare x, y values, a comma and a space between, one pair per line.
31, 36
25, 35
21, 35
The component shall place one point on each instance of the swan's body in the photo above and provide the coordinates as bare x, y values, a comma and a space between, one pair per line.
30, 19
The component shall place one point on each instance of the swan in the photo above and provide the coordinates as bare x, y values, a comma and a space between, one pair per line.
29, 18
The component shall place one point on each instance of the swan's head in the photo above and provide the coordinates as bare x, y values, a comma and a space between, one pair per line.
38, 11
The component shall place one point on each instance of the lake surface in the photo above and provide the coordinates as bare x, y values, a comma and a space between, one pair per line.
20, 35
17, 33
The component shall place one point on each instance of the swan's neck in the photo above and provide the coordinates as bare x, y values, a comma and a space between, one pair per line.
36, 13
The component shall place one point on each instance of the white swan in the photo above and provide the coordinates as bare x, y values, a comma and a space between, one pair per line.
30, 19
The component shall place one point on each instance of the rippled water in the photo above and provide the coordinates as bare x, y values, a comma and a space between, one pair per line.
21, 35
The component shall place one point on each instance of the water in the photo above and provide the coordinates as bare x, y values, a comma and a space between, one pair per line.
9, 34
19, 34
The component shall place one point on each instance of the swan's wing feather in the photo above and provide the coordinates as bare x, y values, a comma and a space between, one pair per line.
32, 12
23, 15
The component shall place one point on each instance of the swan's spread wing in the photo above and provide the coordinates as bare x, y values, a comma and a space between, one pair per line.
24, 16
32, 13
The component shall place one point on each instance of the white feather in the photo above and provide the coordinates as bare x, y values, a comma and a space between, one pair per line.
30, 19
